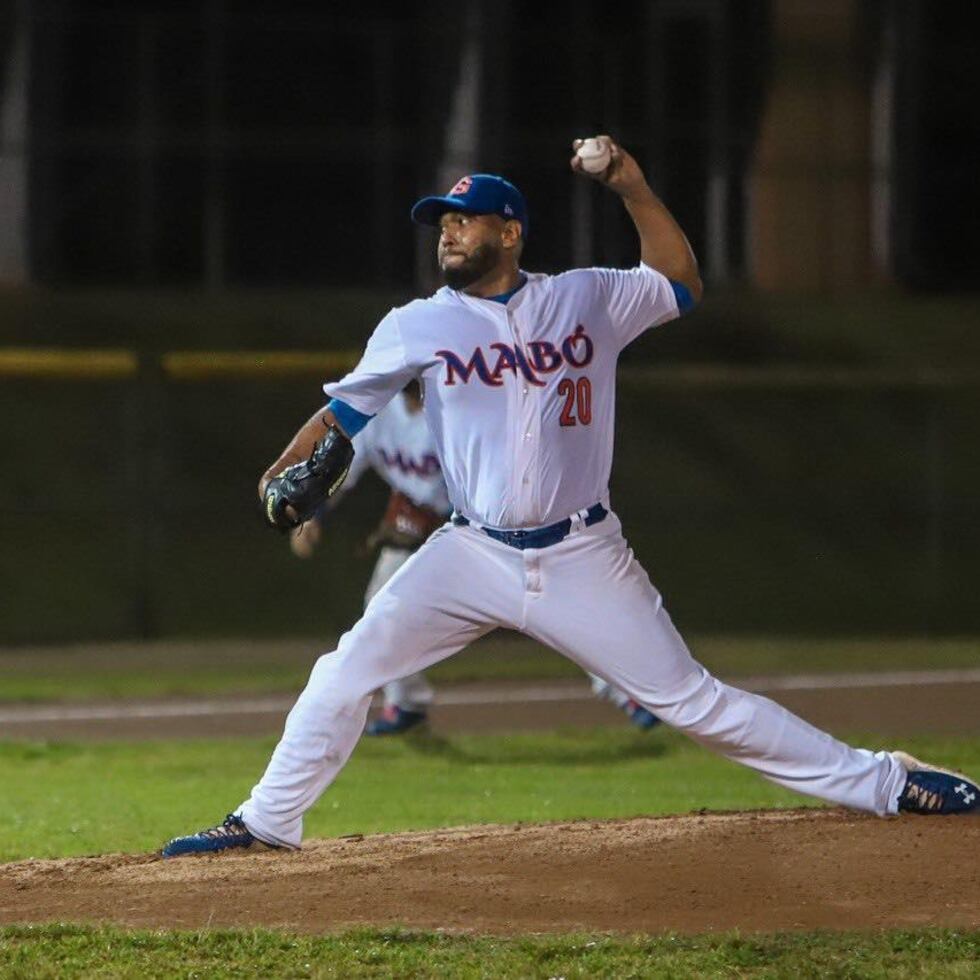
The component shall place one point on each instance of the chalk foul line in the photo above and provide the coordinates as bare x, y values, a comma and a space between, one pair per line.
449, 697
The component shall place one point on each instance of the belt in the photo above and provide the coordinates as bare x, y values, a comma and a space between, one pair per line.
539, 537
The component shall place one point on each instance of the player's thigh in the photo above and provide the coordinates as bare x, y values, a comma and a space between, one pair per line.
439, 600
598, 607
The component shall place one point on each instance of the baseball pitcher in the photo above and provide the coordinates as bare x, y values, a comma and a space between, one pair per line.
519, 373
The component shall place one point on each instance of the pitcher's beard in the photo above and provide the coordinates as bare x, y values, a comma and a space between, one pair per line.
482, 261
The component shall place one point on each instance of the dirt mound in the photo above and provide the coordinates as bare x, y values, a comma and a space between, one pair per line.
760, 871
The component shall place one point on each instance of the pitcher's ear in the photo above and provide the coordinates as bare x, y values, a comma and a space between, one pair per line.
512, 233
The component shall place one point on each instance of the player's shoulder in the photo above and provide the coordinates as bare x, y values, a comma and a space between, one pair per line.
425, 307
576, 277
604, 280
416, 305
598, 273
577, 282
546, 282
404, 326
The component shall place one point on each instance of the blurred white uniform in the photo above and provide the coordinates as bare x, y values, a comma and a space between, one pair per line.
399, 447
520, 399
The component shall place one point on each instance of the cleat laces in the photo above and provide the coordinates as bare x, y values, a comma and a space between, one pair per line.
232, 826
924, 799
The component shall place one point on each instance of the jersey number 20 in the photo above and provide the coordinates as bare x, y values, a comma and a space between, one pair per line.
578, 401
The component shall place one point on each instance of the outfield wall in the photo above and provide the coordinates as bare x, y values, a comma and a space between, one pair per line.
806, 500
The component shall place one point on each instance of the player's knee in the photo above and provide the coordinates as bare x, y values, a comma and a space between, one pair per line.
350, 673
329, 692
718, 715
695, 710
323, 680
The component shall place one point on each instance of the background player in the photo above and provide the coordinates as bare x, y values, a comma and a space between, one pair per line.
399, 448
520, 398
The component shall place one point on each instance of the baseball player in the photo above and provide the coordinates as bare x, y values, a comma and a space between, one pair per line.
519, 374
399, 448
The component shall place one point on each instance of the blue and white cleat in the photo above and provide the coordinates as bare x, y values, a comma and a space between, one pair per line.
640, 716
395, 721
231, 833
931, 790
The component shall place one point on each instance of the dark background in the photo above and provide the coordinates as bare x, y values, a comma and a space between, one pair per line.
798, 456
297, 134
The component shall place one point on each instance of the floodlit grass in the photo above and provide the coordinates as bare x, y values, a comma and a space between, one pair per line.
76, 799
71, 799
42, 952
251, 667
165, 668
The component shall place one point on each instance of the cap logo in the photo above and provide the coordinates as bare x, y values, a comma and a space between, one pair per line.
461, 187
508, 210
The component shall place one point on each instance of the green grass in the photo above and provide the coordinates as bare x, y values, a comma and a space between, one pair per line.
71, 799
250, 667
76, 799
41, 952
121, 670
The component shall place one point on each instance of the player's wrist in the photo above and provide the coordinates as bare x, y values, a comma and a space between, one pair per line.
638, 194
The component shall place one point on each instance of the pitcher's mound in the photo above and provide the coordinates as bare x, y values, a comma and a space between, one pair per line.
759, 871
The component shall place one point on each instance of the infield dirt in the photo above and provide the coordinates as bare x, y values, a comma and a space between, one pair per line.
756, 871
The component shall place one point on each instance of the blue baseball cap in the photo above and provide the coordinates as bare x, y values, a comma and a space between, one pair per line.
475, 194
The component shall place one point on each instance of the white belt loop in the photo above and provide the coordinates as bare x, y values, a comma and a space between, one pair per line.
578, 519
473, 524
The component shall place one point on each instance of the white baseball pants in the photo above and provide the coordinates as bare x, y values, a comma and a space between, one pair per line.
414, 692
586, 597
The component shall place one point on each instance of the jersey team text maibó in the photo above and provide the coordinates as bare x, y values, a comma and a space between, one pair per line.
520, 397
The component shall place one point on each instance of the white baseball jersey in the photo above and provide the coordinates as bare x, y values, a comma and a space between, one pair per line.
520, 397
399, 447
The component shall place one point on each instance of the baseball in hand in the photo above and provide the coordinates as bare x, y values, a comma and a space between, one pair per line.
594, 155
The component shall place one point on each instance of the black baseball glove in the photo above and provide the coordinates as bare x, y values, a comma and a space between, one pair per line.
304, 486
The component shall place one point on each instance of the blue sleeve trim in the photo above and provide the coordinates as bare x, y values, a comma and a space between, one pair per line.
685, 301
350, 419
